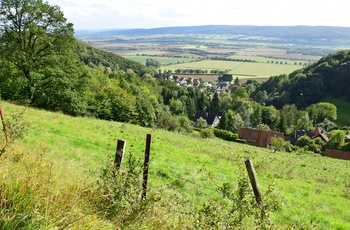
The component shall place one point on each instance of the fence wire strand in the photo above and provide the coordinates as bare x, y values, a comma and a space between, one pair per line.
170, 175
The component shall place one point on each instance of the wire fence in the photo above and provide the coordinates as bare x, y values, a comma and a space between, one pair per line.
170, 175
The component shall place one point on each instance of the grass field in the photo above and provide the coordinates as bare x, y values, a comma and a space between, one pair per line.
343, 110
162, 60
267, 60
240, 69
60, 158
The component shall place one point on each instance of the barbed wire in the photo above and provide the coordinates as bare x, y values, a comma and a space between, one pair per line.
229, 196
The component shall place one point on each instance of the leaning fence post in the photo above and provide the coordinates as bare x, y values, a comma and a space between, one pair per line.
119, 153
253, 181
3, 125
145, 167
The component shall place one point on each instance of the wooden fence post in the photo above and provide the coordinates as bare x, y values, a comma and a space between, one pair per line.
253, 181
4, 125
119, 154
145, 167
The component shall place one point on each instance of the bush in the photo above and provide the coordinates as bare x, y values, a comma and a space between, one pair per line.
207, 133
225, 134
241, 141
346, 147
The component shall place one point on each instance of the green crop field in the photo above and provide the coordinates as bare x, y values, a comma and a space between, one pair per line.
240, 69
162, 60
267, 60
50, 173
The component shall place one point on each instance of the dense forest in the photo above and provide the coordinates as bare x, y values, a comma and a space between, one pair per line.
44, 65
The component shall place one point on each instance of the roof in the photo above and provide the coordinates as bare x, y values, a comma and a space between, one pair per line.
319, 132
209, 117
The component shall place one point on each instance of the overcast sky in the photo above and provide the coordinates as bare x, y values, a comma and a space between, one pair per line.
107, 14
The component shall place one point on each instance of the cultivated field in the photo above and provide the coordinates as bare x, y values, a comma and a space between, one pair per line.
210, 52
239, 69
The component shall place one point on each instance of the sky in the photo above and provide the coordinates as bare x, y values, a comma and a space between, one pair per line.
118, 14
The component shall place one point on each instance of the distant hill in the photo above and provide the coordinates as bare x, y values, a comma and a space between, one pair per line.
329, 76
321, 35
94, 57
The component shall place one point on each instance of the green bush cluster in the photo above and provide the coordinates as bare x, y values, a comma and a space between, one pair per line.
225, 134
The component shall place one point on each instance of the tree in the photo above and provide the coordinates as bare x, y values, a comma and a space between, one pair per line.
223, 121
237, 82
34, 36
201, 123
278, 143
337, 139
304, 122
270, 116
150, 62
176, 107
320, 111
214, 106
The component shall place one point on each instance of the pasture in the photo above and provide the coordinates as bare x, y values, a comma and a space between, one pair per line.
343, 110
59, 159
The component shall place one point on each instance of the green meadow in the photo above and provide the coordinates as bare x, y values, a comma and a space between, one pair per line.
343, 110
162, 60
50, 175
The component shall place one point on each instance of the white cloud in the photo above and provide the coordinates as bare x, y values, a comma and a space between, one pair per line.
92, 14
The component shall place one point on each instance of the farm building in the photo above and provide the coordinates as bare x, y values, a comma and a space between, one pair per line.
211, 119
256, 137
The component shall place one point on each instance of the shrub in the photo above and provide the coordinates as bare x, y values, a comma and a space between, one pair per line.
207, 133
225, 134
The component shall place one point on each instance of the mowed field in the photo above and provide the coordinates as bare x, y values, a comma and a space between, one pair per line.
240, 69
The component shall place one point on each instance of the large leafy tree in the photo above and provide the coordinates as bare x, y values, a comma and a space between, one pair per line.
33, 37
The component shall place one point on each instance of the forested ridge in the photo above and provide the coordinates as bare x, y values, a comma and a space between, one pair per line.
330, 75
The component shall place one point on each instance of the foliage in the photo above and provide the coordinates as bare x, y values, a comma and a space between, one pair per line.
304, 122
150, 62
100, 59
321, 111
304, 141
337, 139
34, 35
346, 147
226, 77
309, 85
278, 144
201, 123
207, 133
225, 134
119, 190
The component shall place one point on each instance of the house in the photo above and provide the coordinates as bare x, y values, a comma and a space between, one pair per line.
318, 132
256, 137
211, 119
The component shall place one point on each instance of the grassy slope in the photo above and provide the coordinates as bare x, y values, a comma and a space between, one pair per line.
313, 190
343, 110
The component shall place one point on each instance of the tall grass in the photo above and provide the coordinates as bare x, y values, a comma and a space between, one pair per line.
52, 178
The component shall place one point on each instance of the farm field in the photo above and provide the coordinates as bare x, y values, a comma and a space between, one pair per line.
311, 192
209, 52
162, 60
239, 69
